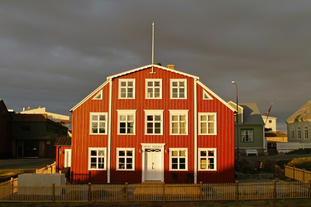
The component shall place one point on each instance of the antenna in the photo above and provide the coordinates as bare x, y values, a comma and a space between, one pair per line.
152, 53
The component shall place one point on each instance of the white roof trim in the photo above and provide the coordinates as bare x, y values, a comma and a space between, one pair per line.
89, 96
148, 66
215, 95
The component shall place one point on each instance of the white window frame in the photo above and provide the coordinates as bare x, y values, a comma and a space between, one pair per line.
153, 88
178, 87
153, 113
97, 156
98, 122
125, 158
126, 113
99, 95
306, 131
126, 87
207, 122
207, 156
299, 133
252, 138
292, 132
67, 161
178, 113
178, 164
208, 96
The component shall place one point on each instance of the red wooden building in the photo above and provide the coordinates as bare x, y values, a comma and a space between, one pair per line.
152, 123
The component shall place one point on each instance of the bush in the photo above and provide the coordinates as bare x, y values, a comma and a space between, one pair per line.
302, 162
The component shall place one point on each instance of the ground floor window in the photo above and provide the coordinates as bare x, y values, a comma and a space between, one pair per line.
125, 159
247, 135
97, 158
207, 159
178, 159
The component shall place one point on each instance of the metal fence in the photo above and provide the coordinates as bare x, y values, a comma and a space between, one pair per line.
297, 174
164, 192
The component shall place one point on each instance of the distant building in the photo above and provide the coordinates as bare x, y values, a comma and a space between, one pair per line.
5, 131
270, 123
42, 110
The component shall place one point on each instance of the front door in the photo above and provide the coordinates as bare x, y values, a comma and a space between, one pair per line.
153, 164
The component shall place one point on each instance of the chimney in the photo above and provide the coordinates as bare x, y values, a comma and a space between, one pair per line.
172, 67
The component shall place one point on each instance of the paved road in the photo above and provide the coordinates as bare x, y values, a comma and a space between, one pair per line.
26, 163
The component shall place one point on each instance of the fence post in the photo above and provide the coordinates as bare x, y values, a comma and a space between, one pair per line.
163, 192
201, 191
310, 189
12, 181
294, 173
90, 193
303, 175
126, 188
237, 190
53, 192
274, 190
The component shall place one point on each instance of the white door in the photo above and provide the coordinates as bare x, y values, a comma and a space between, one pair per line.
67, 158
153, 164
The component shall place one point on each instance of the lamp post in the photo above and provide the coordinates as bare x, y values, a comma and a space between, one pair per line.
237, 119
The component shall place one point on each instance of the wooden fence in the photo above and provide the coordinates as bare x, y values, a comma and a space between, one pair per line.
297, 174
163, 192
49, 169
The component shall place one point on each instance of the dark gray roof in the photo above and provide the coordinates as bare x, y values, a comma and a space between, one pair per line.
303, 114
251, 114
63, 141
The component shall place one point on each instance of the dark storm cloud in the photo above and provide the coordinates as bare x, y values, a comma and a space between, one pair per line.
54, 53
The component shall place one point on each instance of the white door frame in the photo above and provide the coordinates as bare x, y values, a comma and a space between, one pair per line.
67, 152
152, 146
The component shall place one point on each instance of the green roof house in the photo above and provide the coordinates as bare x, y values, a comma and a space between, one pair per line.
250, 129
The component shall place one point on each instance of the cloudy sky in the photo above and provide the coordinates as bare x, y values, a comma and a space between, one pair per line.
54, 53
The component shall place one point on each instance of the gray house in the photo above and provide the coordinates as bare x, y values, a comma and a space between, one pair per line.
250, 129
298, 125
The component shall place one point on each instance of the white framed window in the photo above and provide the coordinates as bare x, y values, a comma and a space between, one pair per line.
126, 88
97, 158
298, 132
178, 159
99, 95
126, 159
126, 122
98, 123
292, 133
207, 123
207, 159
153, 89
178, 88
154, 122
247, 135
178, 122
206, 96
306, 132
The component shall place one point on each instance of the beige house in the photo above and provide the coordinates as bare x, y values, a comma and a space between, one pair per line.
270, 122
42, 110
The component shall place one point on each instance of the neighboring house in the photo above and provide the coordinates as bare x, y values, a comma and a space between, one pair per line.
63, 153
52, 116
270, 123
299, 124
35, 134
152, 123
5, 132
250, 128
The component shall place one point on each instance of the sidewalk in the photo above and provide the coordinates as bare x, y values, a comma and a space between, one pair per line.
26, 163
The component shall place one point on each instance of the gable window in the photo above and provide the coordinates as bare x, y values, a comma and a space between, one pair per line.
207, 159
154, 122
247, 135
3, 112
207, 124
98, 96
178, 88
98, 123
306, 132
178, 159
292, 133
298, 132
153, 88
126, 122
126, 88
179, 122
206, 96
97, 158
125, 159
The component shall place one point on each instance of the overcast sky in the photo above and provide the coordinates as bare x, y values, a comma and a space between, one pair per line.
54, 53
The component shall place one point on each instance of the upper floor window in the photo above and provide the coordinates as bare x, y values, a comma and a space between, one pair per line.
206, 96
298, 132
98, 123
125, 159
178, 159
207, 124
153, 88
179, 122
207, 159
97, 158
292, 133
178, 88
3, 112
126, 88
247, 135
99, 95
126, 121
154, 122
306, 132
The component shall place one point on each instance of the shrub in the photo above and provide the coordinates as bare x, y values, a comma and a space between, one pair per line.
302, 162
